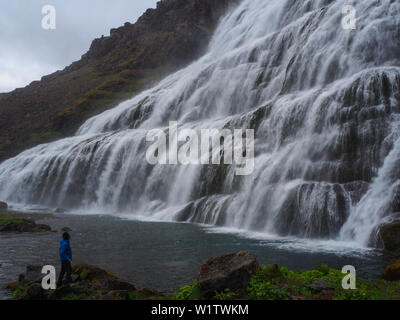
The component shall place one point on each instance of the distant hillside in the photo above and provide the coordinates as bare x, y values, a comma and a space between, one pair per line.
115, 68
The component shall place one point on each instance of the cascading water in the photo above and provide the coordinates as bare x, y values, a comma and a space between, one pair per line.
324, 103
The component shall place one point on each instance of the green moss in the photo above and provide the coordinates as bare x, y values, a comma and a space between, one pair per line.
5, 220
18, 293
85, 274
112, 276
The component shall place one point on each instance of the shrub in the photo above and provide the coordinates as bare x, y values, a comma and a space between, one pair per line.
227, 294
188, 292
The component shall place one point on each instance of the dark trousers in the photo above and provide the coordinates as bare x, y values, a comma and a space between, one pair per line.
65, 269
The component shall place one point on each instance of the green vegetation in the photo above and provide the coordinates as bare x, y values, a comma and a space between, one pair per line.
189, 292
279, 283
17, 293
265, 285
227, 294
5, 220
269, 282
113, 90
84, 274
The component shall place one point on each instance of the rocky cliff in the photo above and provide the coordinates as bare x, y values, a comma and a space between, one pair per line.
115, 68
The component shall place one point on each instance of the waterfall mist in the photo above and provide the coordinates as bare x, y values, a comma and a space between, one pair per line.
324, 103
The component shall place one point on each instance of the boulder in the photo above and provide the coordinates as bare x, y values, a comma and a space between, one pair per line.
320, 286
100, 278
231, 271
23, 225
32, 275
88, 283
66, 229
392, 271
60, 210
92, 273
3, 205
390, 236
117, 285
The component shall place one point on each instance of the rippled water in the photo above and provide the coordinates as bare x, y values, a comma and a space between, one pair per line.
165, 256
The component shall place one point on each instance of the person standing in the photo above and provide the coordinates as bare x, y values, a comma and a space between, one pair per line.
66, 259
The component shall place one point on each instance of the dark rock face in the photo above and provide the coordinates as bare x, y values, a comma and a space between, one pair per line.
231, 271
3, 205
392, 271
115, 68
390, 236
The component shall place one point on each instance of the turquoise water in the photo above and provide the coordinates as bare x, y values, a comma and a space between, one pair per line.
165, 256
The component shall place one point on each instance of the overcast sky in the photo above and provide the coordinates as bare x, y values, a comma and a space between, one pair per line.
28, 52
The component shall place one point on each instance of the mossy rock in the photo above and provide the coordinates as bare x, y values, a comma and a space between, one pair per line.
92, 273
100, 278
11, 286
392, 271
11, 224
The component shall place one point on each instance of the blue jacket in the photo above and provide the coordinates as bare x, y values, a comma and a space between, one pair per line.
65, 250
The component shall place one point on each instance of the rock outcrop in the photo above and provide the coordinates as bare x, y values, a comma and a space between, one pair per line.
115, 68
232, 271
392, 271
390, 236
21, 225
89, 283
3, 205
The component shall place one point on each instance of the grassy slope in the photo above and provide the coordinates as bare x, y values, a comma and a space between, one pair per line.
115, 68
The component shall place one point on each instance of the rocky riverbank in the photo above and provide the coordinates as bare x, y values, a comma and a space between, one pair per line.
22, 222
229, 277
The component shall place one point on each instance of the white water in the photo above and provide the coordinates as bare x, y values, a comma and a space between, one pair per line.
324, 103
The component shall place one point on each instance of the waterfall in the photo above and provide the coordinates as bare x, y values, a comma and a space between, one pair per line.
325, 106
